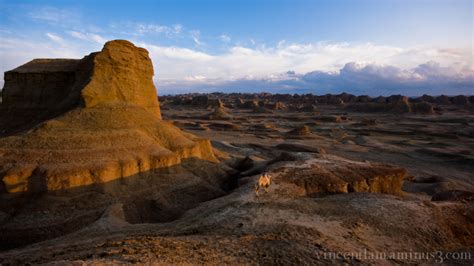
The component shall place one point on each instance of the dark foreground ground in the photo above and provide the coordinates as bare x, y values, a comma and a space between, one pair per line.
350, 185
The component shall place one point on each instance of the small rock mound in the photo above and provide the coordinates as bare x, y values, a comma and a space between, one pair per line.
335, 100
200, 100
252, 104
329, 118
443, 99
277, 106
423, 108
399, 104
265, 126
261, 110
307, 108
300, 131
219, 113
215, 103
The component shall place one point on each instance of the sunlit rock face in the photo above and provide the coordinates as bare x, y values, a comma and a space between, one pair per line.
331, 174
44, 88
122, 73
81, 122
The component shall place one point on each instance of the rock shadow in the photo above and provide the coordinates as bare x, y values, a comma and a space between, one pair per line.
157, 196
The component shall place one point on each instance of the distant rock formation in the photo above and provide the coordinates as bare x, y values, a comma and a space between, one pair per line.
443, 99
300, 131
104, 122
422, 108
307, 107
219, 113
393, 104
215, 103
396, 104
252, 104
277, 106
329, 118
261, 110
399, 105
460, 100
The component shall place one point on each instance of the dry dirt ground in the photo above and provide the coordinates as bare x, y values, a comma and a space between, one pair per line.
430, 219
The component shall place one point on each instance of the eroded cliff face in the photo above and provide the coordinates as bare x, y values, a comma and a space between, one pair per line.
328, 174
122, 73
39, 84
42, 89
104, 122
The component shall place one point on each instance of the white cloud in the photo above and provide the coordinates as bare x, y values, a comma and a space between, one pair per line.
240, 66
54, 37
153, 28
250, 63
356, 78
195, 78
225, 38
86, 36
142, 29
196, 35
51, 14
256, 68
238, 62
176, 53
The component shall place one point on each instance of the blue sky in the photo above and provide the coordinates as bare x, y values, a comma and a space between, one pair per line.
364, 47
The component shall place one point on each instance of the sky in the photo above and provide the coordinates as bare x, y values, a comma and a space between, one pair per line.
374, 47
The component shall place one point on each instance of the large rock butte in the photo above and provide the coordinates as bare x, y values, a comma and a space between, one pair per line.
69, 123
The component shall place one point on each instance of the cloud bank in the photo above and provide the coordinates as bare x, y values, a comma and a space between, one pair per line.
355, 78
318, 68
321, 67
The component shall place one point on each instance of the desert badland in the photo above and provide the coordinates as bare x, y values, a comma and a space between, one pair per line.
95, 168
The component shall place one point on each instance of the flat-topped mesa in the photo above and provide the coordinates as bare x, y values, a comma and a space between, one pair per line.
104, 122
44, 88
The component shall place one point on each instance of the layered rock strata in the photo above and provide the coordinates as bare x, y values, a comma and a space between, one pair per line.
331, 174
98, 119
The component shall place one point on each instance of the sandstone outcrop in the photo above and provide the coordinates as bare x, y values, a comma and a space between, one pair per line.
443, 99
122, 73
422, 108
426, 98
460, 100
44, 88
261, 110
277, 106
300, 131
332, 174
363, 99
215, 103
253, 104
104, 122
307, 108
219, 113
397, 104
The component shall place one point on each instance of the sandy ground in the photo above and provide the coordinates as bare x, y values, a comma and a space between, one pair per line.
192, 220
